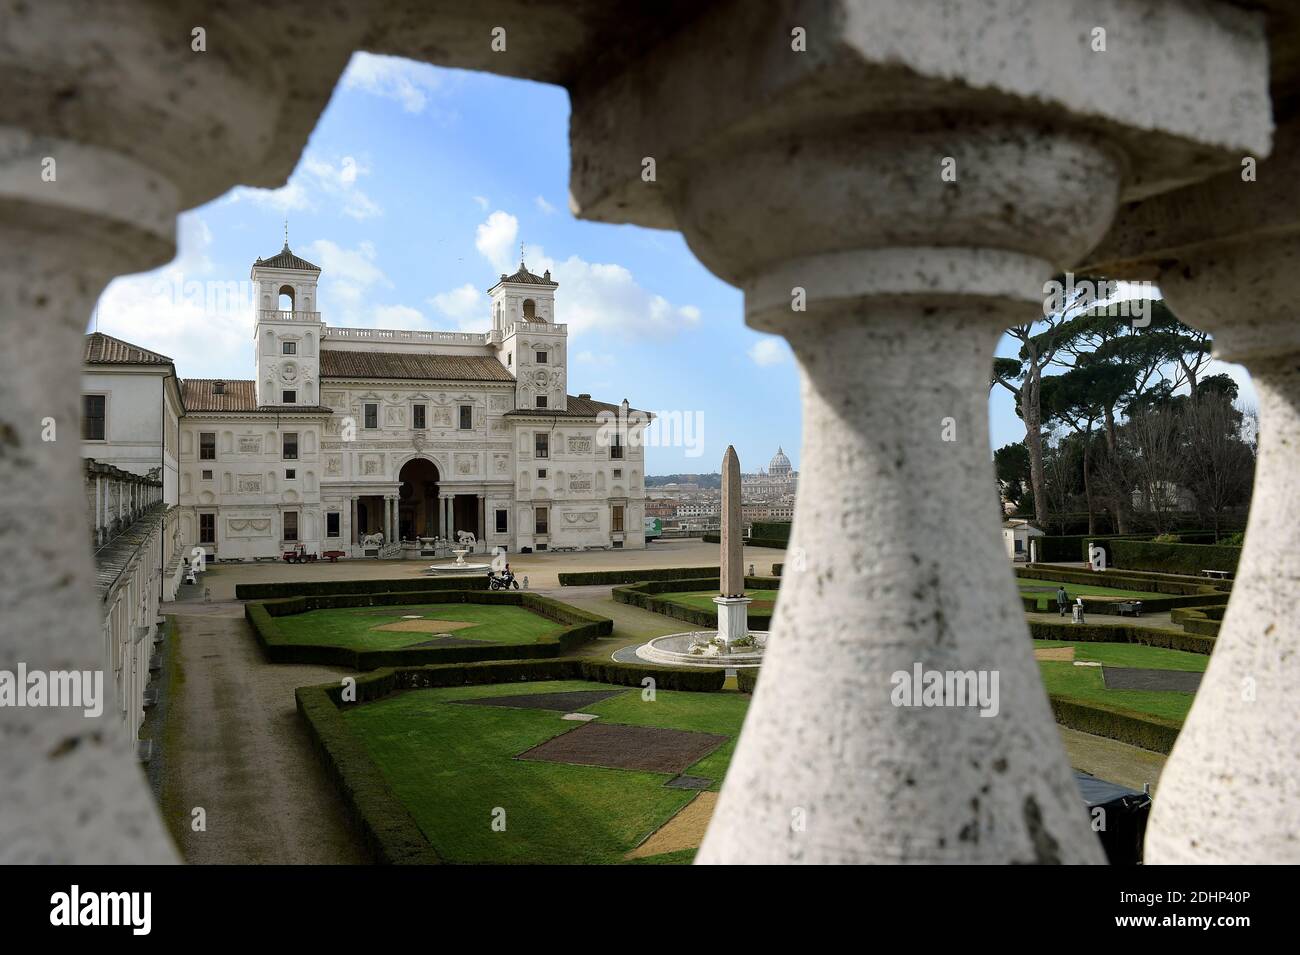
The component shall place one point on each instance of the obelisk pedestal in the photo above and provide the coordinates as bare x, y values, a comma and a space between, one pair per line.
733, 605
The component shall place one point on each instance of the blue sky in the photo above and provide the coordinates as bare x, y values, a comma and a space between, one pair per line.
414, 192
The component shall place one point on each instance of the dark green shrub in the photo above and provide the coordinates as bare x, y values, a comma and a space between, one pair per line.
771, 530
1174, 558
645, 596
1137, 729
1164, 637
746, 679
299, 588
593, 577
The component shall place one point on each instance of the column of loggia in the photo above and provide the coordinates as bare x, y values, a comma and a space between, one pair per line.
1230, 792
892, 286
69, 783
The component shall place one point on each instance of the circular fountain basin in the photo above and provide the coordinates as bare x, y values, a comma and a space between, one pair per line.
454, 569
674, 649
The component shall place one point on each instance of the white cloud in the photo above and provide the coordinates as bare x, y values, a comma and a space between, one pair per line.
544, 206
495, 240
202, 321
592, 358
355, 266
398, 316
482, 202
593, 296
317, 179
466, 306
768, 351
406, 82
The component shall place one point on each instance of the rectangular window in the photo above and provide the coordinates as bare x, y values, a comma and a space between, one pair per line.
207, 475
207, 528
541, 358
541, 472
291, 525
92, 417
417, 417
288, 348
540, 520
618, 472
618, 545
332, 524
290, 447
290, 473
289, 398
542, 444
207, 445
372, 416
467, 417
502, 519
541, 401
616, 447
616, 519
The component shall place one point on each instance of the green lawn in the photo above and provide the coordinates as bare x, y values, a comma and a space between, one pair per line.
354, 627
1047, 599
1086, 683
703, 599
453, 765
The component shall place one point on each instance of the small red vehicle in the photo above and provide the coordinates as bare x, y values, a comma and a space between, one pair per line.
299, 555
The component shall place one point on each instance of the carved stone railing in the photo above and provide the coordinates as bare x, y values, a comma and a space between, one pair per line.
281, 315
405, 335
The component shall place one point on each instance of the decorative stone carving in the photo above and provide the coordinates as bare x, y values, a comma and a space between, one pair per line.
580, 481
248, 484
250, 445
580, 444
466, 463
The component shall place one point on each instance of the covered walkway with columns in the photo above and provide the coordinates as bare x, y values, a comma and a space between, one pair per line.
890, 184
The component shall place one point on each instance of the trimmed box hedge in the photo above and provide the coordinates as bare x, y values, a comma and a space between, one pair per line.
771, 530
747, 679
580, 628
1173, 585
592, 577
1174, 558
1165, 637
1137, 729
305, 588
645, 595
773, 542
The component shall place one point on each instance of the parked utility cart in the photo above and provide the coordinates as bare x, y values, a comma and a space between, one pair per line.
299, 555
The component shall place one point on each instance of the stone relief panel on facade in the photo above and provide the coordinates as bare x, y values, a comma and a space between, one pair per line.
580, 444
250, 444
249, 484
372, 464
248, 527
466, 463
580, 481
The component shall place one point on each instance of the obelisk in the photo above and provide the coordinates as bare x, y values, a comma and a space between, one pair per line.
733, 605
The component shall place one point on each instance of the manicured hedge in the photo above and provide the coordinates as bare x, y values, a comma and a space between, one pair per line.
774, 542
1204, 621
591, 577
1165, 637
1074, 547
712, 538
1201, 589
580, 628
1137, 729
746, 679
1174, 558
303, 588
646, 596
771, 530
387, 828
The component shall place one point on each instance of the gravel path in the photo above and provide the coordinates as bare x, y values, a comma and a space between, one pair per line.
235, 746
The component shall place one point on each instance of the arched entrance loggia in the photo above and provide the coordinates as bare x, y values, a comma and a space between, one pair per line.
417, 506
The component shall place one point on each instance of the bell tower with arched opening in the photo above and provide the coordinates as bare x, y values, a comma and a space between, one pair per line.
287, 332
532, 345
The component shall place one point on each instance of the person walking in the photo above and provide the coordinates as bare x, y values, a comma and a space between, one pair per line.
1062, 599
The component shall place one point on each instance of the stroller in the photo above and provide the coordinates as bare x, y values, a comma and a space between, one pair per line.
502, 581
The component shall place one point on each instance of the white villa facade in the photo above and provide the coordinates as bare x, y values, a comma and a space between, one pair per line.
345, 434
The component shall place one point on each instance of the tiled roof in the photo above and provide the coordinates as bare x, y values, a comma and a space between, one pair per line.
104, 349
523, 277
285, 259
378, 364
579, 406
240, 396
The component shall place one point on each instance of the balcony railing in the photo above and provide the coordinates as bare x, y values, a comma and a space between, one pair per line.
280, 315
406, 335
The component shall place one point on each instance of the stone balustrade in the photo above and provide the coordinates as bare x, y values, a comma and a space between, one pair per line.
804, 156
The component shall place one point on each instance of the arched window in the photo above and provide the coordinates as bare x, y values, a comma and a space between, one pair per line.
286, 298
530, 310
